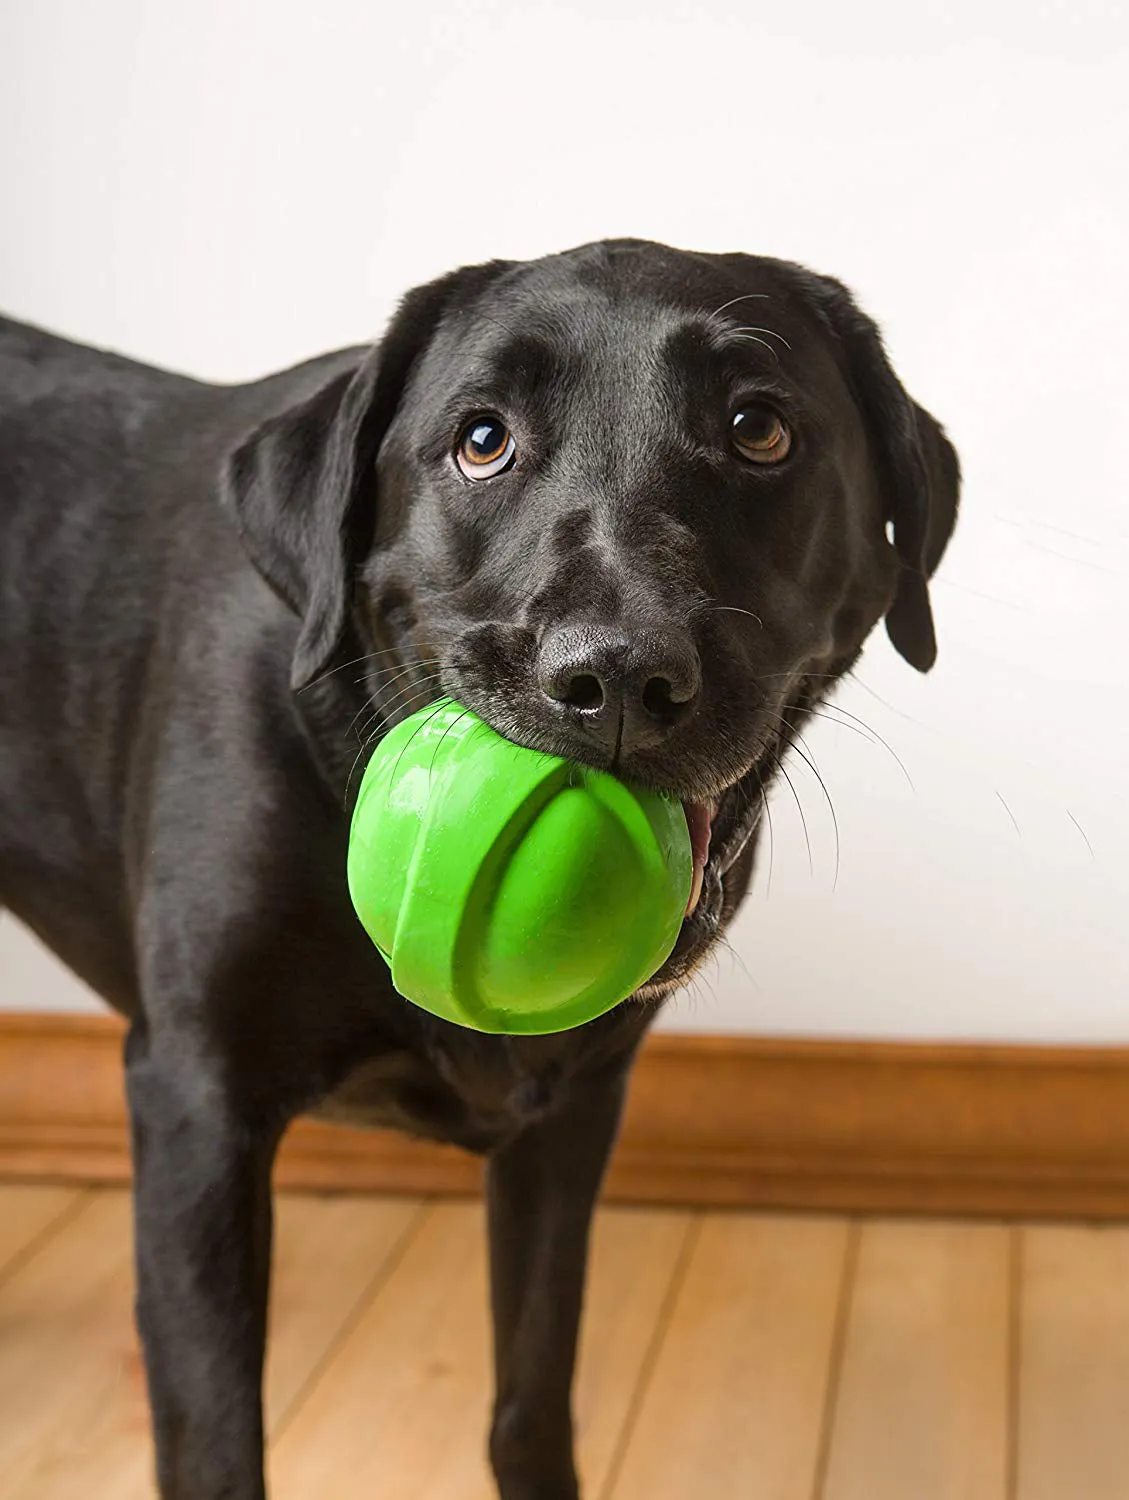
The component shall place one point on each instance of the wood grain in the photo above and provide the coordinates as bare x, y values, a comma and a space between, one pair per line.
636, 1255
734, 1405
922, 1406
724, 1355
404, 1407
330, 1255
71, 1385
26, 1214
72, 1391
736, 1121
1074, 1387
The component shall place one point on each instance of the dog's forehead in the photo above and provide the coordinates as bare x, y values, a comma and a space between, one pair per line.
619, 322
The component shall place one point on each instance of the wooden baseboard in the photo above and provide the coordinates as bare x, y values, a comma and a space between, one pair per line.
731, 1122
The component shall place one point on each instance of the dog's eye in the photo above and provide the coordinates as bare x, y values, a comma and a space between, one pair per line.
761, 434
486, 447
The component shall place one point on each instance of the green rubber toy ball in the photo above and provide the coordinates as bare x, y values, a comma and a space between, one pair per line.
512, 891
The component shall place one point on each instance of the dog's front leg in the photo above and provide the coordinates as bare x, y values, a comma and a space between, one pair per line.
203, 1224
541, 1191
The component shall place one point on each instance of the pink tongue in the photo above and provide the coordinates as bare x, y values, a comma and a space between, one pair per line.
698, 818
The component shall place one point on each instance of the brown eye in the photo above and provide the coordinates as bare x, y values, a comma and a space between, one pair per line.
761, 434
486, 447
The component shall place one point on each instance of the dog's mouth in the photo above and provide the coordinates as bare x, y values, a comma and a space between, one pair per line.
720, 830
720, 826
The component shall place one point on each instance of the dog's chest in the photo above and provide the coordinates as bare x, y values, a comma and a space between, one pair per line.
474, 1092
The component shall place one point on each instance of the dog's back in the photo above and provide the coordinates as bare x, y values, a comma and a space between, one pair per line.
75, 436
75, 630
121, 578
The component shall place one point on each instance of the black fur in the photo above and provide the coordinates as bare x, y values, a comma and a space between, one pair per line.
205, 593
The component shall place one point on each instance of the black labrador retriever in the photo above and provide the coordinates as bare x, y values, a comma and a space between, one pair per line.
635, 506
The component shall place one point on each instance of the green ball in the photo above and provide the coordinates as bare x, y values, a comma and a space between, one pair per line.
512, 891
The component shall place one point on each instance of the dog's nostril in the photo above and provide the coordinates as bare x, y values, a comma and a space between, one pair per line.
626, 692
658, 697
585, 690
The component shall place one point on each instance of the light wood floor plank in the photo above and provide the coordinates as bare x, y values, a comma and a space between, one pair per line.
1074, 1364
70, 1378
330, 1252
734, 1405
634, 1261
403, 1408
73, 1416
26, 1213
707, 1366
922, 1407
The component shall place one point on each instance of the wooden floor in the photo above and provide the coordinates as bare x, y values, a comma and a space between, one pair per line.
726, 1355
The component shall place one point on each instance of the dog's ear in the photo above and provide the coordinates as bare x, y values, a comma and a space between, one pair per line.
918, 468
302, 486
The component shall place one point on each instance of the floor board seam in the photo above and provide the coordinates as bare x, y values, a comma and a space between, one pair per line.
651, 1354
55, 1226
368, 1295
1014, 1360
835, 1360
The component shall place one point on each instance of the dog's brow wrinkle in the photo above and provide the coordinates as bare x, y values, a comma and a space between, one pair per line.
490, 318
574, 530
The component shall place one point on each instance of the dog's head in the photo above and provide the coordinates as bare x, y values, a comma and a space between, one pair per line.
635, 506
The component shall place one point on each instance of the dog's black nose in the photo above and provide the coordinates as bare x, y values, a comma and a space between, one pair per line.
628, 691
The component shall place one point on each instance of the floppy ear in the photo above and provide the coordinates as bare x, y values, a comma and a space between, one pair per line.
918, 468
302, 486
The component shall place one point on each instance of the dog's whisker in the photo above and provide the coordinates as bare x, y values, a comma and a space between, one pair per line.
732, 609
879, 699
799, 808
332, 672
378, 690
771, 837
1082, 831
397, 674
427, 681
423, 675
737, 957
376, 713
823, 709
733, 301
368, 735
753, 328
1007, 809
703, 978
810, 763
751, 338
456, 721
382, 676
859, 726
407, 699
352, 773
411, 738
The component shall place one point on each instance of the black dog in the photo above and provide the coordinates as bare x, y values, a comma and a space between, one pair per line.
636, 506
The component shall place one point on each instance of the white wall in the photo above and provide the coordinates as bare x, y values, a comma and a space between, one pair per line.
229, 185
